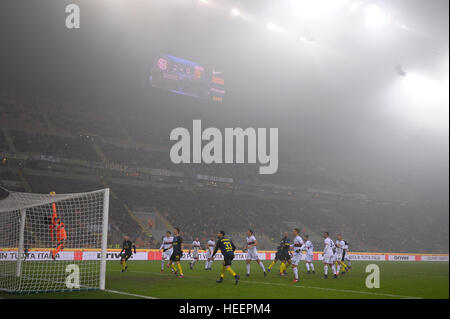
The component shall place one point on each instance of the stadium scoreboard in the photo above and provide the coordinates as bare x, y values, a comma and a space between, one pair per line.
186, 77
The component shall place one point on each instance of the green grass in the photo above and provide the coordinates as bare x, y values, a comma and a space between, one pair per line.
397, 280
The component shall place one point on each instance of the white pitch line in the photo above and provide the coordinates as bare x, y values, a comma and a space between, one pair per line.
333, 289
129, 294
306, 287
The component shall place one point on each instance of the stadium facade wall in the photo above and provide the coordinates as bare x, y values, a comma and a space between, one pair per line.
154, 254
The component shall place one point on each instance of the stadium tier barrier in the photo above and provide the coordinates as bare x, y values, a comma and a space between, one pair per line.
43, 254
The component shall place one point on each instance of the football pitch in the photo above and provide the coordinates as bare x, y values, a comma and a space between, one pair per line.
143, 279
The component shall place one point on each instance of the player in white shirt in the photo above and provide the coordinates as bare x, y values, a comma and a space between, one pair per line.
209, 254
328, 254
166, 249
309, 248
195, 249
339, 254
252, 253
297, 256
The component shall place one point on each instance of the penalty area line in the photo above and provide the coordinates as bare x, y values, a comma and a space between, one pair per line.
129, 294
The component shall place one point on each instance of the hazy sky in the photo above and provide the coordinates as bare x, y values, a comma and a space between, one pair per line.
337, 101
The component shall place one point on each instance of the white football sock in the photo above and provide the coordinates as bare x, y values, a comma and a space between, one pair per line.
325, 270
248, 268
295, 272
334, 269
312, 266
262, 266
307, 266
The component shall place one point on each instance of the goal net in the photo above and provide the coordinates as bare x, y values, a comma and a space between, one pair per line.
53, 242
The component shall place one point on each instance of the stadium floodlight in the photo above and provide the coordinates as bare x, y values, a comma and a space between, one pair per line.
355, 5
316, 9
303, 38
422, 88
43, 240
235, 12
273, 27
375, 17
307, 39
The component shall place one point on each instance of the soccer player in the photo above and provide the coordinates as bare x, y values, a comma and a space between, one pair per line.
195, 248
177, 245
346, 258
285, 258
298, 247
227, 249
328, 254
282, 254
61, 237
60, 229
126, 252
309, 255
166, 249
277, 255
339, 255
53, 224
252, 253
209, 254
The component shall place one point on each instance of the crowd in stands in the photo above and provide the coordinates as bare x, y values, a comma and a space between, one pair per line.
78, 147
70, 131
199, 213
26, 111
137, 157
366, 225
3, 144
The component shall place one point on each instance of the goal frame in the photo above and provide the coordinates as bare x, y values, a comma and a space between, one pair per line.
15, 205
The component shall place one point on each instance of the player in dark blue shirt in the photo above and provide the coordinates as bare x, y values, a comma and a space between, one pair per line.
282, 253
177, 245
126, 252
227, 249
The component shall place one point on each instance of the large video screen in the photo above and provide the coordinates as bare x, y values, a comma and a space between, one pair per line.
186, 77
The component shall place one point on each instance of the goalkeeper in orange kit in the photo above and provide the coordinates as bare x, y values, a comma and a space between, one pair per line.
59, 229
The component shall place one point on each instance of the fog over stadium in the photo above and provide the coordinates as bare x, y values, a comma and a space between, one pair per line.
357, 89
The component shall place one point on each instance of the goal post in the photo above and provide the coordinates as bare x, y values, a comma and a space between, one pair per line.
53, 242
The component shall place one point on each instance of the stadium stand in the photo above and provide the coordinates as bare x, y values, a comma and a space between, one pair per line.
3, 144
315, 202
78, 147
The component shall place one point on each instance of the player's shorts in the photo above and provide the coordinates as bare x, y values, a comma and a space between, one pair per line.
252, 255
278, 255
125, 256
176, 256
328, 259
227, 259
285, 256
309, 258
338, 257
195, 254
296, 258
166, 254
